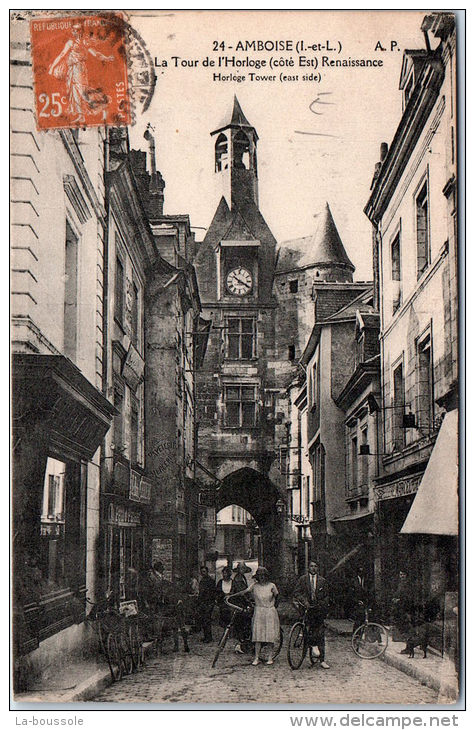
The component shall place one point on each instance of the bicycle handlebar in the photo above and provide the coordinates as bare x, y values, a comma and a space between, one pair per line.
233, 605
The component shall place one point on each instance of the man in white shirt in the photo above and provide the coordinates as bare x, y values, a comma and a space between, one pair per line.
311, 592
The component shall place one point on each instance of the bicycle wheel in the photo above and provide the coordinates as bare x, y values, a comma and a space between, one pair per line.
221, 645
114, 657
369, 641
126, 651
278, 646
297, 646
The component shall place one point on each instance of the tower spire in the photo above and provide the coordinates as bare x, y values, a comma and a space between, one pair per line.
236, 158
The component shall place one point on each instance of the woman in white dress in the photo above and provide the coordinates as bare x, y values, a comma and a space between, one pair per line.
265, 620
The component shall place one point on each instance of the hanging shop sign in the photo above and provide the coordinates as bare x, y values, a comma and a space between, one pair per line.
133, 368
398, 488
120, 515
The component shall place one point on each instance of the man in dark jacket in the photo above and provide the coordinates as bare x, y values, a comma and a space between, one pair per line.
242, 622
206, 601
311, 592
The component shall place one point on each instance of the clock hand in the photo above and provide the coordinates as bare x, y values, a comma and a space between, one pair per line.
240, 280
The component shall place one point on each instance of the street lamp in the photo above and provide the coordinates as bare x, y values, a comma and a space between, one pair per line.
279, 505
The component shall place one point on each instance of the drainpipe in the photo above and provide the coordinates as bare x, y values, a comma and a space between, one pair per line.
105, 365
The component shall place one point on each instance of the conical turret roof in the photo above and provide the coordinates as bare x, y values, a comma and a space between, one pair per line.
326, 245
323, 247
236, 119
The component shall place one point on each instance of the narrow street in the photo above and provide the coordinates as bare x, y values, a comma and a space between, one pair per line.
190, 678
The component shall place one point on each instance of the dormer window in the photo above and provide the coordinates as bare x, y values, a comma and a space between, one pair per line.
408, 89
221, 153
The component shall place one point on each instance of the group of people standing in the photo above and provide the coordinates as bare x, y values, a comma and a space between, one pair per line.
258, 621
261, 598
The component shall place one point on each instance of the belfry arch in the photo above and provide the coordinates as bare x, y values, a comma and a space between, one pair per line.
257, 494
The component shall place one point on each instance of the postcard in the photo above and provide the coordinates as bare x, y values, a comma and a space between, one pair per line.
235, 358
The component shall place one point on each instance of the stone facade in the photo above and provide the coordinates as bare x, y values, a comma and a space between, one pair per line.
413, 209
58, 374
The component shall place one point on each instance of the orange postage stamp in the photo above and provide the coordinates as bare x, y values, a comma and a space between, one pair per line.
80, 71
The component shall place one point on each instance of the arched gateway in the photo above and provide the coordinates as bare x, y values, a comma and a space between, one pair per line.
256, 493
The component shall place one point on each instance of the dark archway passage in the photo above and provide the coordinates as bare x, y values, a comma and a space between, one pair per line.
255, 492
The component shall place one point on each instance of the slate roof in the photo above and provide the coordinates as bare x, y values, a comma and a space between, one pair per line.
324, 246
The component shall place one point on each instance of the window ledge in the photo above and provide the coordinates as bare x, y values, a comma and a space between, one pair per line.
241, 359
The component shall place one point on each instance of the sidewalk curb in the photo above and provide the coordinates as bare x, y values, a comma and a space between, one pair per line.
82, 692
90, 687
429, 679
446, 689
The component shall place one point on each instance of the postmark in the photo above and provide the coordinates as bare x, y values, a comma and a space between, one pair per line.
80, 71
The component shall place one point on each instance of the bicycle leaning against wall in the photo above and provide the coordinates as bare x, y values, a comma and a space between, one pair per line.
119, 637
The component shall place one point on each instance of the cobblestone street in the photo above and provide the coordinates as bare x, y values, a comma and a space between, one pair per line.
190, 678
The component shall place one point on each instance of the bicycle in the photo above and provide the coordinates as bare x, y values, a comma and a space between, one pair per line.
370, 639
299, 642
115, 641
246, 644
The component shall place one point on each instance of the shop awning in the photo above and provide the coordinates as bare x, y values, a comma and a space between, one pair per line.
434, 510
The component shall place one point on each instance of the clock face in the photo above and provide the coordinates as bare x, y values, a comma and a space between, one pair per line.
239, 281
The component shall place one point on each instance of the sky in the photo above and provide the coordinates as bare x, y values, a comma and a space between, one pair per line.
304, 158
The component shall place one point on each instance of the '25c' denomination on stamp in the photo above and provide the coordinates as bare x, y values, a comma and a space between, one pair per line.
80, 71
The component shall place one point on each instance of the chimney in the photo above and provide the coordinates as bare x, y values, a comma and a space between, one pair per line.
157, 183
383, 151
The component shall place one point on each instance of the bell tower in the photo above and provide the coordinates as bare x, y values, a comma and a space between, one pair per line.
235, 159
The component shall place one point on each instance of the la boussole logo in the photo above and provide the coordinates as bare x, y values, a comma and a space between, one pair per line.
80, 71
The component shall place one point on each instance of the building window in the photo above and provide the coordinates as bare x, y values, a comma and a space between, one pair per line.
134, 433
396, 271
291, 352
315, 385
425, 397
354, 462
240, 335
61, 555
119, 291
398, 407
408, 89
233, 508
283, 452
293, 286
240, 402
359, 347
70, 293
118, 419
363, 480
318, 473
422, 228
134, 316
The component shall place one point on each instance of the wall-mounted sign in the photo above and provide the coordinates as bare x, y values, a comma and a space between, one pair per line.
120, 515
301, 519
399, 488
133, 367
140, 489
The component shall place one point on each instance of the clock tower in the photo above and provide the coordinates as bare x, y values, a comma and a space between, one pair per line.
237, 392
